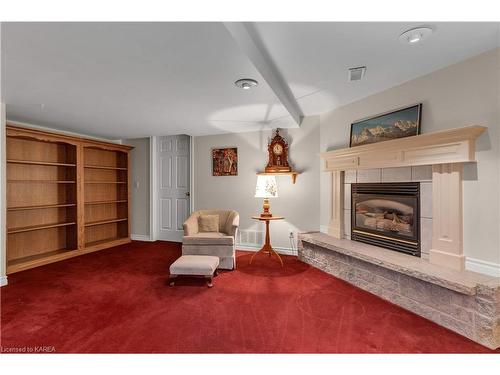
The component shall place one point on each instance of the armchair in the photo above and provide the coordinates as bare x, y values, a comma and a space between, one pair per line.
221, 244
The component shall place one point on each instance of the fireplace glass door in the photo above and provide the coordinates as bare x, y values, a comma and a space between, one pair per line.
387, 215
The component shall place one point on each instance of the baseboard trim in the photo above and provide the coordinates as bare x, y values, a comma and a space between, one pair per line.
279, 250
3, 281
141, 237
482, 266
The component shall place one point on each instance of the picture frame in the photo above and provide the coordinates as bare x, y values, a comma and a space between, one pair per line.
394, 124
225, 161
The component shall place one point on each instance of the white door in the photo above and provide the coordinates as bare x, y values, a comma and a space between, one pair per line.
173, 186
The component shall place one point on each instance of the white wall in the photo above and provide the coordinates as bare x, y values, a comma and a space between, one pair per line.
3, 266
140, 176
3, 202
458, 95
299, 203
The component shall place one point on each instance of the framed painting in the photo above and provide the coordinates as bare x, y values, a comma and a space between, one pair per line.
225, 161
400, 123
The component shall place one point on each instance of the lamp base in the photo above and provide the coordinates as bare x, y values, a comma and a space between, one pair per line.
266, 207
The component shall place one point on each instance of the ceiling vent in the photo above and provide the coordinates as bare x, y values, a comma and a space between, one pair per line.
355, 74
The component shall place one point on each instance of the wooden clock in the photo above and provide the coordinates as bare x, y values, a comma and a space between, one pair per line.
278, 155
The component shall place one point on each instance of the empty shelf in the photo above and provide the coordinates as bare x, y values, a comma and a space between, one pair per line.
38, 227
34, 162
40, 206
43, 181
32, 258
100, 222
94, 243
106, 202
105, 167
105, 182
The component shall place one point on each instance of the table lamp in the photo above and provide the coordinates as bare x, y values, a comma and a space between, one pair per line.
266, 188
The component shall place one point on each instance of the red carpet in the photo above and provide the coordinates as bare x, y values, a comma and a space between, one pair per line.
118, 301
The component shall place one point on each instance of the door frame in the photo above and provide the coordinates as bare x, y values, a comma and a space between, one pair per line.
153, 190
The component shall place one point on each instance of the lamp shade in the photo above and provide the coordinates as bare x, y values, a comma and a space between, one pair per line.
266, 187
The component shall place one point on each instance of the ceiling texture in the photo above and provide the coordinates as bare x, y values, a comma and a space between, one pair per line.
127, 80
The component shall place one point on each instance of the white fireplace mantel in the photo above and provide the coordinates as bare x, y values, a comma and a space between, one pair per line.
448, 146
446, 151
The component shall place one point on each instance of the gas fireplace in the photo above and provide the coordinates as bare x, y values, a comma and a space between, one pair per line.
387, 215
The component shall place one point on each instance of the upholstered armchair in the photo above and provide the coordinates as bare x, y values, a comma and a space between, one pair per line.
202, 235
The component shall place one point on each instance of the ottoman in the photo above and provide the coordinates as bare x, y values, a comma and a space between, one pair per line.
195, 265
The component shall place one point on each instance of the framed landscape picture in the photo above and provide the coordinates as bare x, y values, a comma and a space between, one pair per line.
225, 161
399, 123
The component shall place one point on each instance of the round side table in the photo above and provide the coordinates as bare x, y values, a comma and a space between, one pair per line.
267, 248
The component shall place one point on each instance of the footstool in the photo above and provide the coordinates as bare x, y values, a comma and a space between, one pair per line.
195, 265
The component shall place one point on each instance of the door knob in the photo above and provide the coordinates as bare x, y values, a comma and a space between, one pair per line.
188, 194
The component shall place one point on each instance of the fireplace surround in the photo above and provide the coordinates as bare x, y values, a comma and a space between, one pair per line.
446, 151
387, 215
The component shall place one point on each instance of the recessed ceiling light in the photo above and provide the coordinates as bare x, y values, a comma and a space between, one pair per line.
415, 35
246, 83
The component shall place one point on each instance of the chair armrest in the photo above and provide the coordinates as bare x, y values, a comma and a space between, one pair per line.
233, 224
190, 226
233, 230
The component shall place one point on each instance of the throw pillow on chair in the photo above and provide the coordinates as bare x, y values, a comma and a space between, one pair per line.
208, 223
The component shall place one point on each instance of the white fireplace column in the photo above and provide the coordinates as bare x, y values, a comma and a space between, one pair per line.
336, 227
447, 214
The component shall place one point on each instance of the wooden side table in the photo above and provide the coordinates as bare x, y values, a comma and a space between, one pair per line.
267, 248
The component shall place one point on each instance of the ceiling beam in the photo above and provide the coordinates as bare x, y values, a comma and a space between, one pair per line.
247, 37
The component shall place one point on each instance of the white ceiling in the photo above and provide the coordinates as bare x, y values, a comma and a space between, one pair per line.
126, 80
314, 57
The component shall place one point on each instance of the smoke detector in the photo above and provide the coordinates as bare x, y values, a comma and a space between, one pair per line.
246, 83
355, 74
413, 36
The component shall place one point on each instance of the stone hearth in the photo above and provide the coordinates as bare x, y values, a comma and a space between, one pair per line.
462, 301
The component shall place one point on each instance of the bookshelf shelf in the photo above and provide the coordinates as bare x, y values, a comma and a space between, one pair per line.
39, 207
37, 227
106, 202
42, 181
102, 222
34, 162
105, 167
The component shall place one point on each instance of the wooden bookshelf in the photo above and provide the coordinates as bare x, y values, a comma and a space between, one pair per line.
66, 196
106, 195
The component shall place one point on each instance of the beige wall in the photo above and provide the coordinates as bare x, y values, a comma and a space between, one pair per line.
299, 203
458, 95
140, 176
